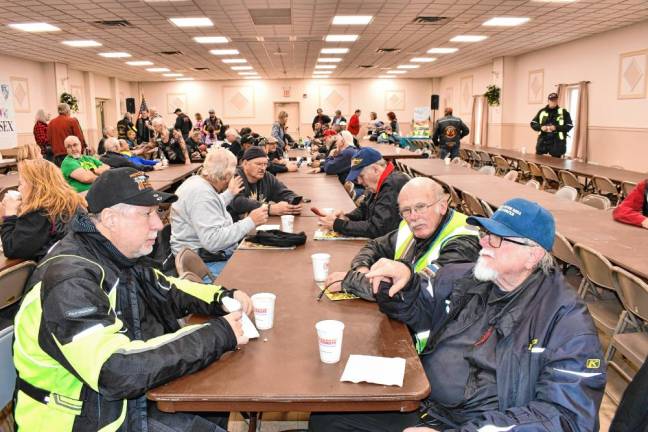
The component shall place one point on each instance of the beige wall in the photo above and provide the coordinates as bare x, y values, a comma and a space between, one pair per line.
366, 94
618, 129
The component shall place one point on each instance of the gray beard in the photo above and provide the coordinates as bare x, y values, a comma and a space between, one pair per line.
483, 273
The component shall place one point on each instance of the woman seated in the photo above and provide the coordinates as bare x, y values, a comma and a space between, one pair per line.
28, 151
36, 218
199, 219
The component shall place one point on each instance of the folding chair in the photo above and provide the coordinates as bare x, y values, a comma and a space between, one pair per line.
189, 261
597, 201
12, 282
568, 193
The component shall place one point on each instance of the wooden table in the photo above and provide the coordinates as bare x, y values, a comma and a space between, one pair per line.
389, 151
323, 191
437, 167
285, 373
173, 173
624, 245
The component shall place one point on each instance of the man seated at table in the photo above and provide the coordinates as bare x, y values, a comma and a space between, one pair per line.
338, 161
260, 187
231, 137
430, 235
239, 146
195, 147
170, 142
505, 343
114, 159
277, 162
80, 170
199, 219
378, 213
98, 327
634, 209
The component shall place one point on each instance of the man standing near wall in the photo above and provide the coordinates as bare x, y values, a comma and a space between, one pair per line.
60, 128
448, 133
552, 123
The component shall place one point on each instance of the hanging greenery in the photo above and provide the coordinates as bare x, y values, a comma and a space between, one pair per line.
71, 101
492, 95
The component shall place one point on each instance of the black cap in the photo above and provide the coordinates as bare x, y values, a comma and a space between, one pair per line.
552, 96
124, 186
254, 153
247, 139
177, 110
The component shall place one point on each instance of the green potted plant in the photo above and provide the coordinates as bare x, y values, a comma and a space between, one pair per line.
492, 95
71, 100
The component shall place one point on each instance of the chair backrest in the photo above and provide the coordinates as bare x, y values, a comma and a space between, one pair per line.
595, 266
484, 156
488, 210
549, 174
523, 166
604, 186
463, 154
567, 192
189, 261
473, 205
533, 184
569, 179
191, 276
7, 369
633, 292
564, 251
512, 175
535, 170
473, 156
488, 169
12, 282
455, 199
501, 164
597, 201
626, 187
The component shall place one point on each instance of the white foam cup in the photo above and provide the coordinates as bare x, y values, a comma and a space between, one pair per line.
264, 307
287, 223
14, 194
320, 266
329, 337
328, 210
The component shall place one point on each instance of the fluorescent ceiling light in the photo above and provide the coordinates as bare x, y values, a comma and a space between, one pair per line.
329, 60
408, 66
252, 77
386, 76
468, 38
352, 19
320, 77
506, 21
249, 73
234, 61
396, 72
192, 22
334, 50
341, 38
184, 79
114, 54
442, 50
81, 43
325, 66
158, 69
172, 74
35, 27
422, 59
240, 68
139, 63
322, 72
221, 52
211, 39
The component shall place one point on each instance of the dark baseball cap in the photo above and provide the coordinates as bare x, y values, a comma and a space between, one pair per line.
177, 110
365, 157
124, 186
521, 218
552, 96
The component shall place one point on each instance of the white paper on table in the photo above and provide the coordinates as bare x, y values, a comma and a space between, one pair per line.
267, 227
233, 305
376, 370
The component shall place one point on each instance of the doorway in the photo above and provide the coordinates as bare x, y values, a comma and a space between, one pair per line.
100, 111
293, 125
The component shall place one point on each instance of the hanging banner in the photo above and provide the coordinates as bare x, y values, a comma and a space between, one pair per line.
422, 114
8, 137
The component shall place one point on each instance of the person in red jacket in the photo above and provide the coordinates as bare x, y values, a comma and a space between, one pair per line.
354, 123
634, 209
60, 128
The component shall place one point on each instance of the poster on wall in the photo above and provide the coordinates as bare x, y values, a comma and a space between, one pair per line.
8, 137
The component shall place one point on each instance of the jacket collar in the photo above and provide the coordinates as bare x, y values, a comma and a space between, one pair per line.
388, 170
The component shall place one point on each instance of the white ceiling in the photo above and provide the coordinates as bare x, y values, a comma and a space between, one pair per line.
392, 27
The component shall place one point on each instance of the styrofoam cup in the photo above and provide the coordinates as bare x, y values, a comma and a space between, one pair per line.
14, 194
287, 223
320, 266
328, 210
329, 337
264, 307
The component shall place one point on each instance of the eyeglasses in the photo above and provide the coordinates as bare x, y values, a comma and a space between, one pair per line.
495, 241
418, 209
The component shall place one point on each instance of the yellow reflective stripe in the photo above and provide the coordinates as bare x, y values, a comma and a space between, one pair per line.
114, 426
204, 292
138, 346
403, 239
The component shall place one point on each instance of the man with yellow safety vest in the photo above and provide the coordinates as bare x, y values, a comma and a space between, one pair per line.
429, 236
552, 124
98, 327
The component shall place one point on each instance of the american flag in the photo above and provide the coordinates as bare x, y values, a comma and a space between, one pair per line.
143, 106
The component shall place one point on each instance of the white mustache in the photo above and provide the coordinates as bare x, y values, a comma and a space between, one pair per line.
488, 253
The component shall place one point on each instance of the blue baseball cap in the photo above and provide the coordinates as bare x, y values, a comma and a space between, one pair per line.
365, 157
520, 218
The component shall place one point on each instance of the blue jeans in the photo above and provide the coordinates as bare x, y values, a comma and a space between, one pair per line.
216, 268
454, 151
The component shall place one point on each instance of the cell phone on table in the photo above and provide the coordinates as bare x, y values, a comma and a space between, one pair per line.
317, 211
296, 200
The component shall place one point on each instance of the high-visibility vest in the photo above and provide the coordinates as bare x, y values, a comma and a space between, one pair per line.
561, 121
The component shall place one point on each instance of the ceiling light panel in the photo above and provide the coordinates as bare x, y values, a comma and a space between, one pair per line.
334, 50
34, 27
468, 38
81, 43
223, 52
211, 39
506, 21
192, 22
442, 50
422, 59
329, 60
341, 38
325, 66
234, 61
158, 69
408, 66
139, 63
352, 19
118, 54
242, 68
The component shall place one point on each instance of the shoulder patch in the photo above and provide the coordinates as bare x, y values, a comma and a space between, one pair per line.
593, 363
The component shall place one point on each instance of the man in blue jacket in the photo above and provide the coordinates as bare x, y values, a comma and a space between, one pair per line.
506, 345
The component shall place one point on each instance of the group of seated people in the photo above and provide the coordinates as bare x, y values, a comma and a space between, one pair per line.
505, 344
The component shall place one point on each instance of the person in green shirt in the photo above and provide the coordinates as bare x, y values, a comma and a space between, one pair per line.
79, 170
